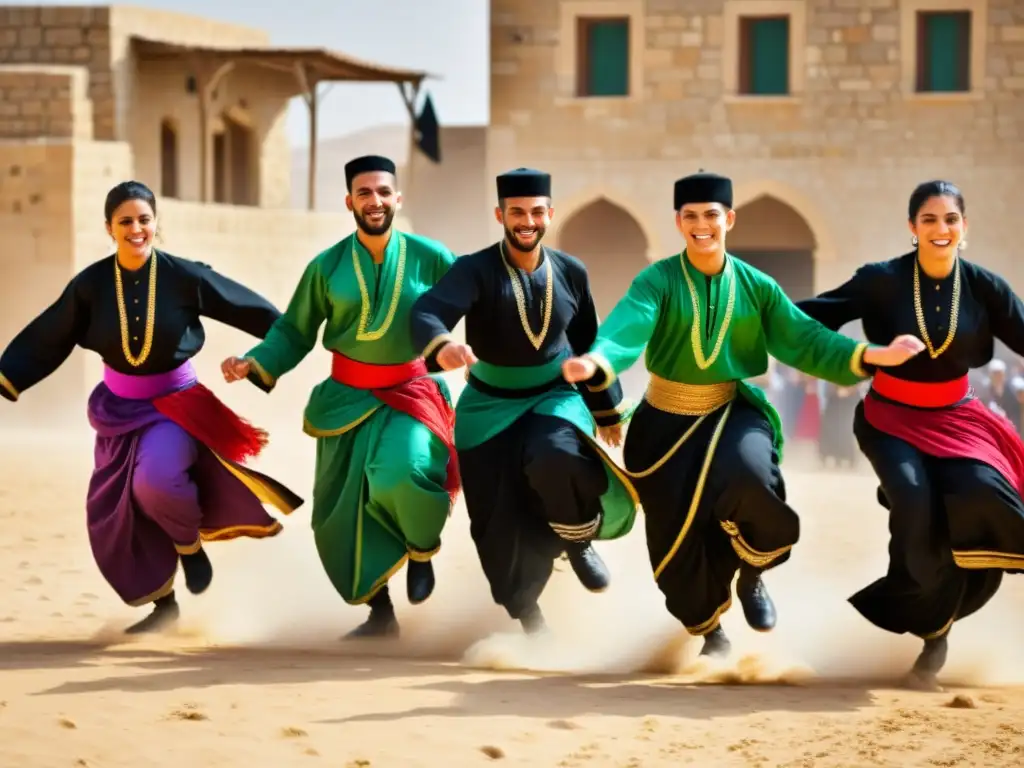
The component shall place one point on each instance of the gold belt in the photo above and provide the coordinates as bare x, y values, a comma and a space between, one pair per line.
688, 399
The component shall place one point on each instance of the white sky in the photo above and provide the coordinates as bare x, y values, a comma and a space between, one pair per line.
449, 38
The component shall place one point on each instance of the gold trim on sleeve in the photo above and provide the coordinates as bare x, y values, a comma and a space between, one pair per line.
436, 342
609, 373
9, 388
857, 361
616, 411
264, 376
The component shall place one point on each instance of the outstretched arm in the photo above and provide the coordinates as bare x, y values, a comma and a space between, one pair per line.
623, 335
229, 302
292, 335
802, 342
44, 344
605, 404
436, 312
1005, 311
840, 306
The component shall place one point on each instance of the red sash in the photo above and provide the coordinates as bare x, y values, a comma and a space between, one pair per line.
406, 388
968, 430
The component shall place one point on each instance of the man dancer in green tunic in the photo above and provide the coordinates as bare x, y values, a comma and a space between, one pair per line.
386, 474
703, 448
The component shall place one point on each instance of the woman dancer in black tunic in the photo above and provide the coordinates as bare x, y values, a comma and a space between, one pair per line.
950, 470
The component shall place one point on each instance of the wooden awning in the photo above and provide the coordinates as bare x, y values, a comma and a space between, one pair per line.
321, 64
310, 67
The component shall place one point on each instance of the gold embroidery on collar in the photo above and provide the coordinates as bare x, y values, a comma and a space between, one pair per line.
695, 330
122, 311
537, 340
954, 311
364, 315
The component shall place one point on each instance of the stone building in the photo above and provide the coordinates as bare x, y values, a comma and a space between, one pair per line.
825, 112
91, 96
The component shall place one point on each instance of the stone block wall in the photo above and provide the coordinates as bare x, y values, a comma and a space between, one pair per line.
844, 151
44, 102
68, 35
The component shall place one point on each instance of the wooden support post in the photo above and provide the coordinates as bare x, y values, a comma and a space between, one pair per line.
208, 74
310, 87
410, 92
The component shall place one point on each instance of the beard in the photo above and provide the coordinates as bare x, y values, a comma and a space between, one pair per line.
519, 245
375, 229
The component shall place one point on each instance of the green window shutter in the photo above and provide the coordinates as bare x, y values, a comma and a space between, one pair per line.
769, 56
946, 38
608, 58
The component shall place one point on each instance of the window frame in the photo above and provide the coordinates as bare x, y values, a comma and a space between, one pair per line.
734, 16
744, 80
910, 48
568, 55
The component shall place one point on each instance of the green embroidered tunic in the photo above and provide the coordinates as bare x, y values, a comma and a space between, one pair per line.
378, 494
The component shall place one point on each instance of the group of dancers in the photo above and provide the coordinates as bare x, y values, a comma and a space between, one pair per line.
523, 443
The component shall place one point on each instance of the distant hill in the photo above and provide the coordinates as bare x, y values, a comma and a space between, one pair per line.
332, 154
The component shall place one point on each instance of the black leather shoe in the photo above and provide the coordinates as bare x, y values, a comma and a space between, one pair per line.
758, 608
924, 675
716, 644
588, 566
532, 621
381, 623
198, 571
165, 613
419, 581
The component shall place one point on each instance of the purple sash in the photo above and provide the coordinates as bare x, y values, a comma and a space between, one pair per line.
149, 386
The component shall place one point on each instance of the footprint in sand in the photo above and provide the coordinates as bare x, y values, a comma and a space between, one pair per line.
65, 723
188, 712
564, 725
290, 732
34, 581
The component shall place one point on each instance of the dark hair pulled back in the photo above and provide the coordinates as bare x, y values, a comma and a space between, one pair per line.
124, 192
937, 188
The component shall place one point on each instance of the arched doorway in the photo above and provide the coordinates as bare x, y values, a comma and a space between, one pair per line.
610, 242
775, 238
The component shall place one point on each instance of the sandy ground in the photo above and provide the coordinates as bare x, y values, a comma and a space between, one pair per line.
256, 675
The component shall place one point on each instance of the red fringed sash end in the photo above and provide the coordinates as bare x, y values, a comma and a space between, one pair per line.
421, 399
201, 413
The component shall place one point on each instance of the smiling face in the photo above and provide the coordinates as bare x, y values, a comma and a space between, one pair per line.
940, 226
525, 220
373, 200
133, 227
704, 225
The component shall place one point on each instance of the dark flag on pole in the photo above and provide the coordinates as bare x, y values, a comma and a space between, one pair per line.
428, 131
